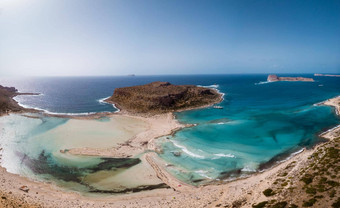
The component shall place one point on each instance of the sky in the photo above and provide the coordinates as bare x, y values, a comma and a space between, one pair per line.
151, 37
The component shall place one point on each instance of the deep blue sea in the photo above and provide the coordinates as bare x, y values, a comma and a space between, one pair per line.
260, 122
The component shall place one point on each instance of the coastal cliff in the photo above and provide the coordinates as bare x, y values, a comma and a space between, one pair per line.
162, 97
8, 104
275, 78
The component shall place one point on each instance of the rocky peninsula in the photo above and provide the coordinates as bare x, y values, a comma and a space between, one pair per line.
275, 78
8, 104
163, 97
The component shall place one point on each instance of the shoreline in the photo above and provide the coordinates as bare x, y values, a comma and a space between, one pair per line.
211, 194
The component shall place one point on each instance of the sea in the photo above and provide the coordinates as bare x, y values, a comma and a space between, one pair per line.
257, 125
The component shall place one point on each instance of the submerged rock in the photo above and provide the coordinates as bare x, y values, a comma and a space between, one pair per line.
176, 153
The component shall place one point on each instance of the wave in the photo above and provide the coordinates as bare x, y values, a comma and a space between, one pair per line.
203, 173
58, 113
184, 149
219, 155
215, 87
248, 168
291, 155
103, 102
263, 82
329, 130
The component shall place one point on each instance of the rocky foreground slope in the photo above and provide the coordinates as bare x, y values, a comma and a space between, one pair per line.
275, 78
162, 97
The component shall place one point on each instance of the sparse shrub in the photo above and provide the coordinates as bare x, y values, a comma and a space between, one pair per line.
322, 180
260, 205
309, 203
310, 190
280, 205
269, 192
284, 184
332, 193
307, 179
333, 183
336, 204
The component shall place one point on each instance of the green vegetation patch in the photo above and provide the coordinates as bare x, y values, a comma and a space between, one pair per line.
260, 205
282, 204
309, 203
269, 192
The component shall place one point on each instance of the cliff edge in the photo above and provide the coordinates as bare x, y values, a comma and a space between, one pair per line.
162, 97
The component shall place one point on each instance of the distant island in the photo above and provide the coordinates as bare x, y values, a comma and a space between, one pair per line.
275, 78
162, 97
327, 75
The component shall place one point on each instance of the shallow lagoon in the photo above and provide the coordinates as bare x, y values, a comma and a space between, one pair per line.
31, 147
258, 125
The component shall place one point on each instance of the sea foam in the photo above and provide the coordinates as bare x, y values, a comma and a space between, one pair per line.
225, 155
263, 82
184, 149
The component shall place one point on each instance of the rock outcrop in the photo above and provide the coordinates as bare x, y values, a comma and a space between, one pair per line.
162, 97
275, 78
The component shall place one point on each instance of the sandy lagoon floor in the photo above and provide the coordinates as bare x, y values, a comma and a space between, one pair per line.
114, 136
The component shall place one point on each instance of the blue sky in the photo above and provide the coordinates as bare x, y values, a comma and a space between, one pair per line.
109, 37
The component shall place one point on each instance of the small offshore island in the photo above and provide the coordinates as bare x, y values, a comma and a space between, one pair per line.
306, 179
275, 78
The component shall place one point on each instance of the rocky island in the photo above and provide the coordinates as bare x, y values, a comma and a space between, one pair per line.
327, 75
275, 78
163, 97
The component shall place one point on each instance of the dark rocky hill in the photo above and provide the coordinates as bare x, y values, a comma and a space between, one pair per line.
162, 97
7, 104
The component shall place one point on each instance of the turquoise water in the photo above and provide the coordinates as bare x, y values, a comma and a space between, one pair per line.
260, 123
29, 151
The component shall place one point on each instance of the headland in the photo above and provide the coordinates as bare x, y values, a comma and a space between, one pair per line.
8, 104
